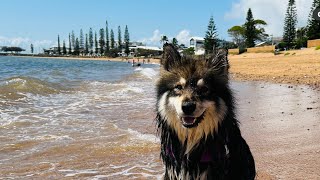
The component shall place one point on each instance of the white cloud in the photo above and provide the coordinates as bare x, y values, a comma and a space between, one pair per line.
272, 11
154, 40
183, 37
26, 42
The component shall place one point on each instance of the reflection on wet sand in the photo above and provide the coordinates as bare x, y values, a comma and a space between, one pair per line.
282, 126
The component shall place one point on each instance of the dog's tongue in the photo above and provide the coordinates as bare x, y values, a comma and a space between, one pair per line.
188, 120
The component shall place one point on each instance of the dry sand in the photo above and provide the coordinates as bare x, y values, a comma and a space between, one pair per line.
290, 67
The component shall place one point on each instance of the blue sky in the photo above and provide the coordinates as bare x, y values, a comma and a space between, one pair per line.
39, 22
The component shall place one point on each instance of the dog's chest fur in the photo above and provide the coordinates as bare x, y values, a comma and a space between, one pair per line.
208, 159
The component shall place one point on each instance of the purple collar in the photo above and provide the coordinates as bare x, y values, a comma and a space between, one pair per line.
206, 156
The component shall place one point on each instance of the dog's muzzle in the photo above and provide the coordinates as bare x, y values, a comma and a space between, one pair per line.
190, 122
188, 107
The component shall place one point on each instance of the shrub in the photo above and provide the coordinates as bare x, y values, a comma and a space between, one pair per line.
318, 48
281, 46
242, 50
189, 51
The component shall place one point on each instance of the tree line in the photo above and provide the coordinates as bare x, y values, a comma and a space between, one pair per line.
252, 31
244, 36
12, 49
92, 43
294, 37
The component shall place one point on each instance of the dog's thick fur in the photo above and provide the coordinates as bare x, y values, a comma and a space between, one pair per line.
200, 136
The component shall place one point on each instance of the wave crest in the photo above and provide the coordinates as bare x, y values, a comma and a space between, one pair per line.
17, 87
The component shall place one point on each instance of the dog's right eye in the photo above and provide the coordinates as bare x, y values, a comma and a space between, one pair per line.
178, 87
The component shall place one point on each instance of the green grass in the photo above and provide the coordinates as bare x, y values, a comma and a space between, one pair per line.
318, 48
286, 54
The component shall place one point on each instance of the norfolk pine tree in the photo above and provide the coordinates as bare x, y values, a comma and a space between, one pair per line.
96, 42
119, 39
313, 24
101, 41
81, 40
107, 39
111, 39
126, 40
210, 40
91, 41
247, 34
86, 51
290, 23
77, 47
59, 49
31, 48
69, 44
250, 30
73, 40
64, 49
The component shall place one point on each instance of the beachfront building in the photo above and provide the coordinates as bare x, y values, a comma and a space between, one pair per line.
198, 44
146, 51
51, 51
54, 51
270, 41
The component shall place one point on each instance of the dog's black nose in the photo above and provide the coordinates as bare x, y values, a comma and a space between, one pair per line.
188, 107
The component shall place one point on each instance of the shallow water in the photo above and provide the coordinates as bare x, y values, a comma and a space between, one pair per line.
95, 120
62, 118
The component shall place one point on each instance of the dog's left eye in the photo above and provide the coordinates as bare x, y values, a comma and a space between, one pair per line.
178, 87
204, 89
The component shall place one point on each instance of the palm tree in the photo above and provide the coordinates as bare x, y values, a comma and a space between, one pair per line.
175, 42
238, 32
164, 39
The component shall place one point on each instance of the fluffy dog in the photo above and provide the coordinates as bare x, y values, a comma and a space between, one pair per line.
200, 135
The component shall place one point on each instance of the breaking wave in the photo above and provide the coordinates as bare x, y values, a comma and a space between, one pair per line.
18, 87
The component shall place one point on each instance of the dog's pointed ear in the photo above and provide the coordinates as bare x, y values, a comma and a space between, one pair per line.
170, 57
219, 63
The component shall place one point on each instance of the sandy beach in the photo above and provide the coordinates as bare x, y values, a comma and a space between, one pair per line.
289, 67
278, 107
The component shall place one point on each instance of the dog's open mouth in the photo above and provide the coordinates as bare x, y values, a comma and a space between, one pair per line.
190, 122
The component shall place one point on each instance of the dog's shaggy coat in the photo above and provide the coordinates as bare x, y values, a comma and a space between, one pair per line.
200, 136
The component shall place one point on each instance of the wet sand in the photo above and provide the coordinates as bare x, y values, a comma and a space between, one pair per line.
281, 122
282, 128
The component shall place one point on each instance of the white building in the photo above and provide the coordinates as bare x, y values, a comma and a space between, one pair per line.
198, 44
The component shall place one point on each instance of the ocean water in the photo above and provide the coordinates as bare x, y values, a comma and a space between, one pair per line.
77, 119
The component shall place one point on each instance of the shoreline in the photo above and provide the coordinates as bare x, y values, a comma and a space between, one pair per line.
118, 59
279, 123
